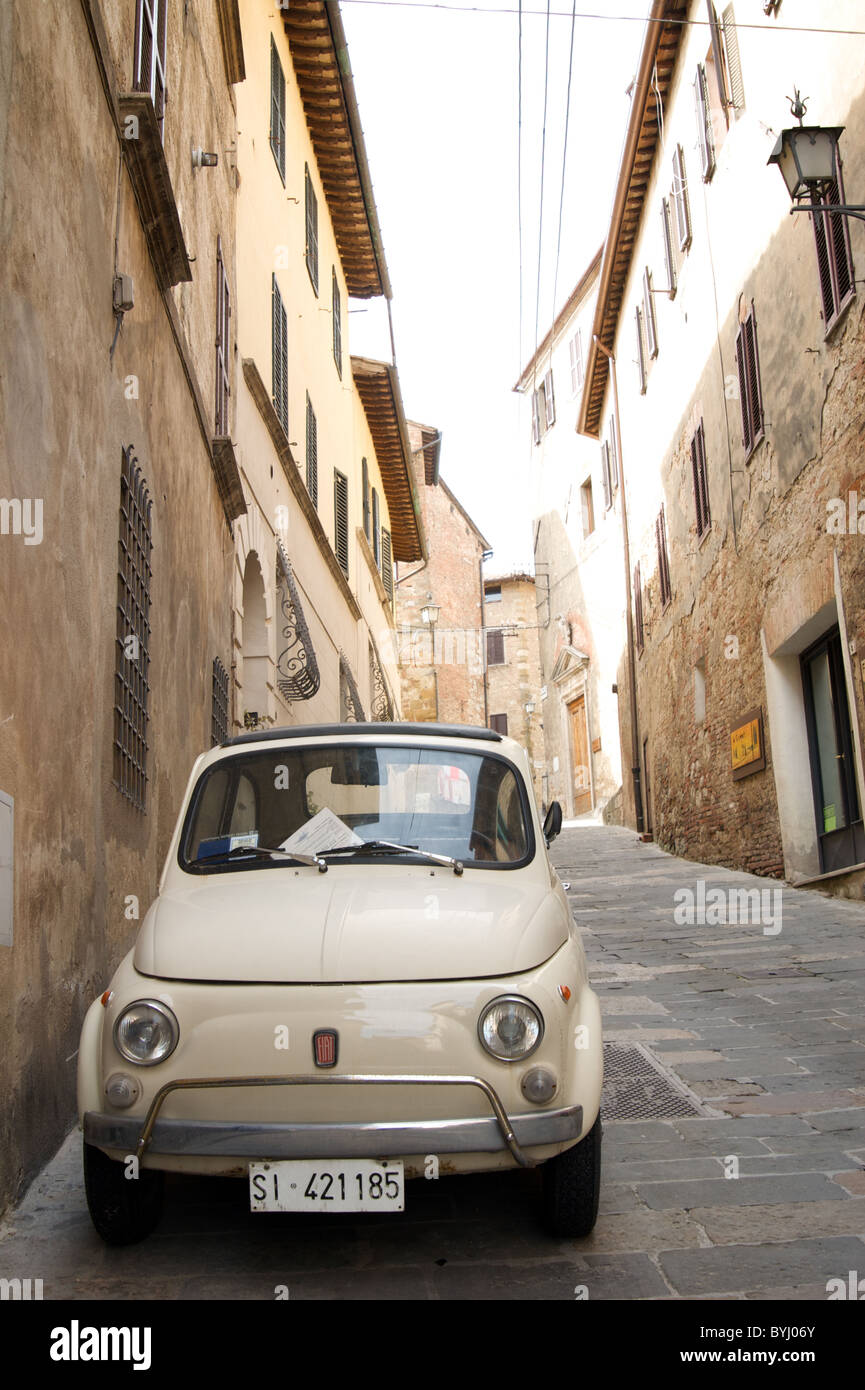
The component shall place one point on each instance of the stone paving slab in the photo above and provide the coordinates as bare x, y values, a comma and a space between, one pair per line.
756, 1191
742, 1267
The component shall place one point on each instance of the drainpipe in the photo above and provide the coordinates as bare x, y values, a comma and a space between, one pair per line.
632, 663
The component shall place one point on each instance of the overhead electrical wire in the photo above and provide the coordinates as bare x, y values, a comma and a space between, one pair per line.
564, 167
591, 15
520, 168
541, 208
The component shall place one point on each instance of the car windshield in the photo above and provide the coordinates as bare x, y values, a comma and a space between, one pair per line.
338, 797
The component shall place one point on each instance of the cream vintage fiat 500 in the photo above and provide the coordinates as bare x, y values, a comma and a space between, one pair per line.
360, 968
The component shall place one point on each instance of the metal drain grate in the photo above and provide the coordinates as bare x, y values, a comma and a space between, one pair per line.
637, 1088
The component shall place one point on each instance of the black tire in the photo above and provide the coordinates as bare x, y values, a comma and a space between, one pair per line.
123, 1210
572, 1186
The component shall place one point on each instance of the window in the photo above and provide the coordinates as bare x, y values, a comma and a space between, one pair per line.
277, 109
680, 200
610, 463
639, 636
364, 475
149, 61
311, 452
536, 416
311, 252
606, 476
575, 347
223, 316
587, 508
667, 241
493, 593
701, 482
834, 260
700, 691
641, 351
495, 647
704, 124
340, 513
614, 453
549, 400
649, 314
376, 530
499, 722
131, 687
337, 321
663, 559
218, 703
750, 395
280, 356
387, 563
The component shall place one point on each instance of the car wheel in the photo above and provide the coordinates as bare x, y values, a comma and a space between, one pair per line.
123, 1210
572, 1186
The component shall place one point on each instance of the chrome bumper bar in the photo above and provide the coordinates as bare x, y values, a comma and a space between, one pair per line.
379, 1139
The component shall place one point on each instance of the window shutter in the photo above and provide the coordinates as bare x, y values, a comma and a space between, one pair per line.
641, 351
734, 63
669, 261
495, 647
376, 530
280, 356
149, 61
755, 399
223, 316
576, 351
364, 470
311, 251
663, 560
834, 260
340, 513
613, 454
387, 563
680, 200
499, 723
605, 475
719, 58
701, 488
747, 437
649, 314
277, 109
704, 128
549, 399
311, 453
336, 304
638, 608
536, 417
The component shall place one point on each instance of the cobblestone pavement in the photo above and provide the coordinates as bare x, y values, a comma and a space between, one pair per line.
761, 1028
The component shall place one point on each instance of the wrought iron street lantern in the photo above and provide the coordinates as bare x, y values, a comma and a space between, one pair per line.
807, 156
430, 614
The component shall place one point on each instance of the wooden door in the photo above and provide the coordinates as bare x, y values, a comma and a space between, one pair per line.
580, 752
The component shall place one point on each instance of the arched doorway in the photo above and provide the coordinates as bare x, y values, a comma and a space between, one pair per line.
255, 643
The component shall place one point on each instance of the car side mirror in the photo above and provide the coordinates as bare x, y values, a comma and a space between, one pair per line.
552, 822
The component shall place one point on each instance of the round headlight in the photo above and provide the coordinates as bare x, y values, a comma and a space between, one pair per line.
146, 1032
510, 1028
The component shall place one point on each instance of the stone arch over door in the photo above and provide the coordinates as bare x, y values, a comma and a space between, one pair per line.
255, 643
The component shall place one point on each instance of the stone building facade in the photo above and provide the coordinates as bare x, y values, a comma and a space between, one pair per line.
514, 666
118, 495
578, 565
202, 491
441, 666
741, 431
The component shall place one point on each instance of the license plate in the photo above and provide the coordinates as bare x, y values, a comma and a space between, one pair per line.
293, 1184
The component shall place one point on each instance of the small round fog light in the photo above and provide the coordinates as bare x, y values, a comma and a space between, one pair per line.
122, 1091
538, 1085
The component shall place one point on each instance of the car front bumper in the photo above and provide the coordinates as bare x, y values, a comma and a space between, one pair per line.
128, 1134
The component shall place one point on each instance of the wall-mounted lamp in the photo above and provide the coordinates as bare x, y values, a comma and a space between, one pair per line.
530, 707
807, 156
202, 160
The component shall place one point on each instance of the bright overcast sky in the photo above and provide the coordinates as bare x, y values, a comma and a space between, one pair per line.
437, 90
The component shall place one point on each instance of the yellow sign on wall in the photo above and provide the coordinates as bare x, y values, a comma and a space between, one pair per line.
747, 753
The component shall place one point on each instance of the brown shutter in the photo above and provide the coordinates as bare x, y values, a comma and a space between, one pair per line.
364, 472
280, 356
649, 314
755, 398
223, 317
311, 251
734, 62
499, 722
311, 453
641, 351
701, 488
663, 559
495, 647
336, 304
387, 563
718, 56
704, 127
747, 435
680, 199
340, 512
667, 238
638, 608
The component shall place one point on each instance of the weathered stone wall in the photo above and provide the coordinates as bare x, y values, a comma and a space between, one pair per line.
516, 682
86, 863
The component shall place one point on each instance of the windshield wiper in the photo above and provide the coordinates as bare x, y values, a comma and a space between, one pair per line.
376, 845
315, 861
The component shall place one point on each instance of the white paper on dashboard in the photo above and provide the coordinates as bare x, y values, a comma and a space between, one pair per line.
324, 831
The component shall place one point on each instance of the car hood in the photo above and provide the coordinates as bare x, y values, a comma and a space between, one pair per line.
352, 924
